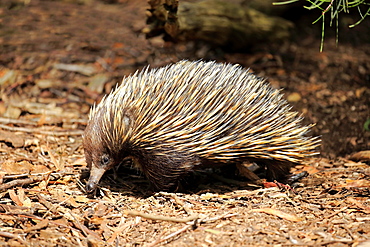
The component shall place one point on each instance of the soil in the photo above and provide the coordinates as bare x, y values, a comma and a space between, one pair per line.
58, 57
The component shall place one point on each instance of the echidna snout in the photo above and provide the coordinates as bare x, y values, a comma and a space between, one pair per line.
174, 119
95, 176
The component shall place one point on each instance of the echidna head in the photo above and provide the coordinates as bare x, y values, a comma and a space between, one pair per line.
105, 142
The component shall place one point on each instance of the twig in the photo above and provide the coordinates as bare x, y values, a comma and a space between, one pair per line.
43, 132
169, 236
177, 200
11, 235
86, 231
335, 213
34, 217
34, 123
164, 218
117, 232
20, 182
334, 241
79, 225
38, 226
16, 121
54, 175
190, 224
18, 175
204, 220
48, 205
26, 181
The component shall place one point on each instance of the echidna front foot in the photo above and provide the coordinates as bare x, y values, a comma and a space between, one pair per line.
246, 171
274, 170
278, 170
165, 172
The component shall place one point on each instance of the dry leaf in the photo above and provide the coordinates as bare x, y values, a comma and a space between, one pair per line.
39, 169
27, 202
294, 97
212, 231
72, 201
11, 167
2, 174
361, 156
358, 204
278, 213
97, 220
79, 162
81, 199
7, 77
17, 141
208, 196
42, 224
15, 198
21, 194
43, 185
97, 82
83, 69
310, 169
349, 183
55, 162
116, 233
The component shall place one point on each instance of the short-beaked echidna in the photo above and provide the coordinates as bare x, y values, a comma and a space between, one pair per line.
173, 119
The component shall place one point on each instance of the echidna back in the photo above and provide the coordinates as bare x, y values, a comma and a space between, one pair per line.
216, 111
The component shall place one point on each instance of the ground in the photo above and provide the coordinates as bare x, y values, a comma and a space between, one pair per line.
58, 57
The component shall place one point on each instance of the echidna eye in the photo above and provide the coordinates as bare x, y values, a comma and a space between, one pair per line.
105, 160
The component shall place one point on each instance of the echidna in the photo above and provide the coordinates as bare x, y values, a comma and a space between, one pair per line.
173, 119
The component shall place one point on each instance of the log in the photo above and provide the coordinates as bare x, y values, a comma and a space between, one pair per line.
217, 22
